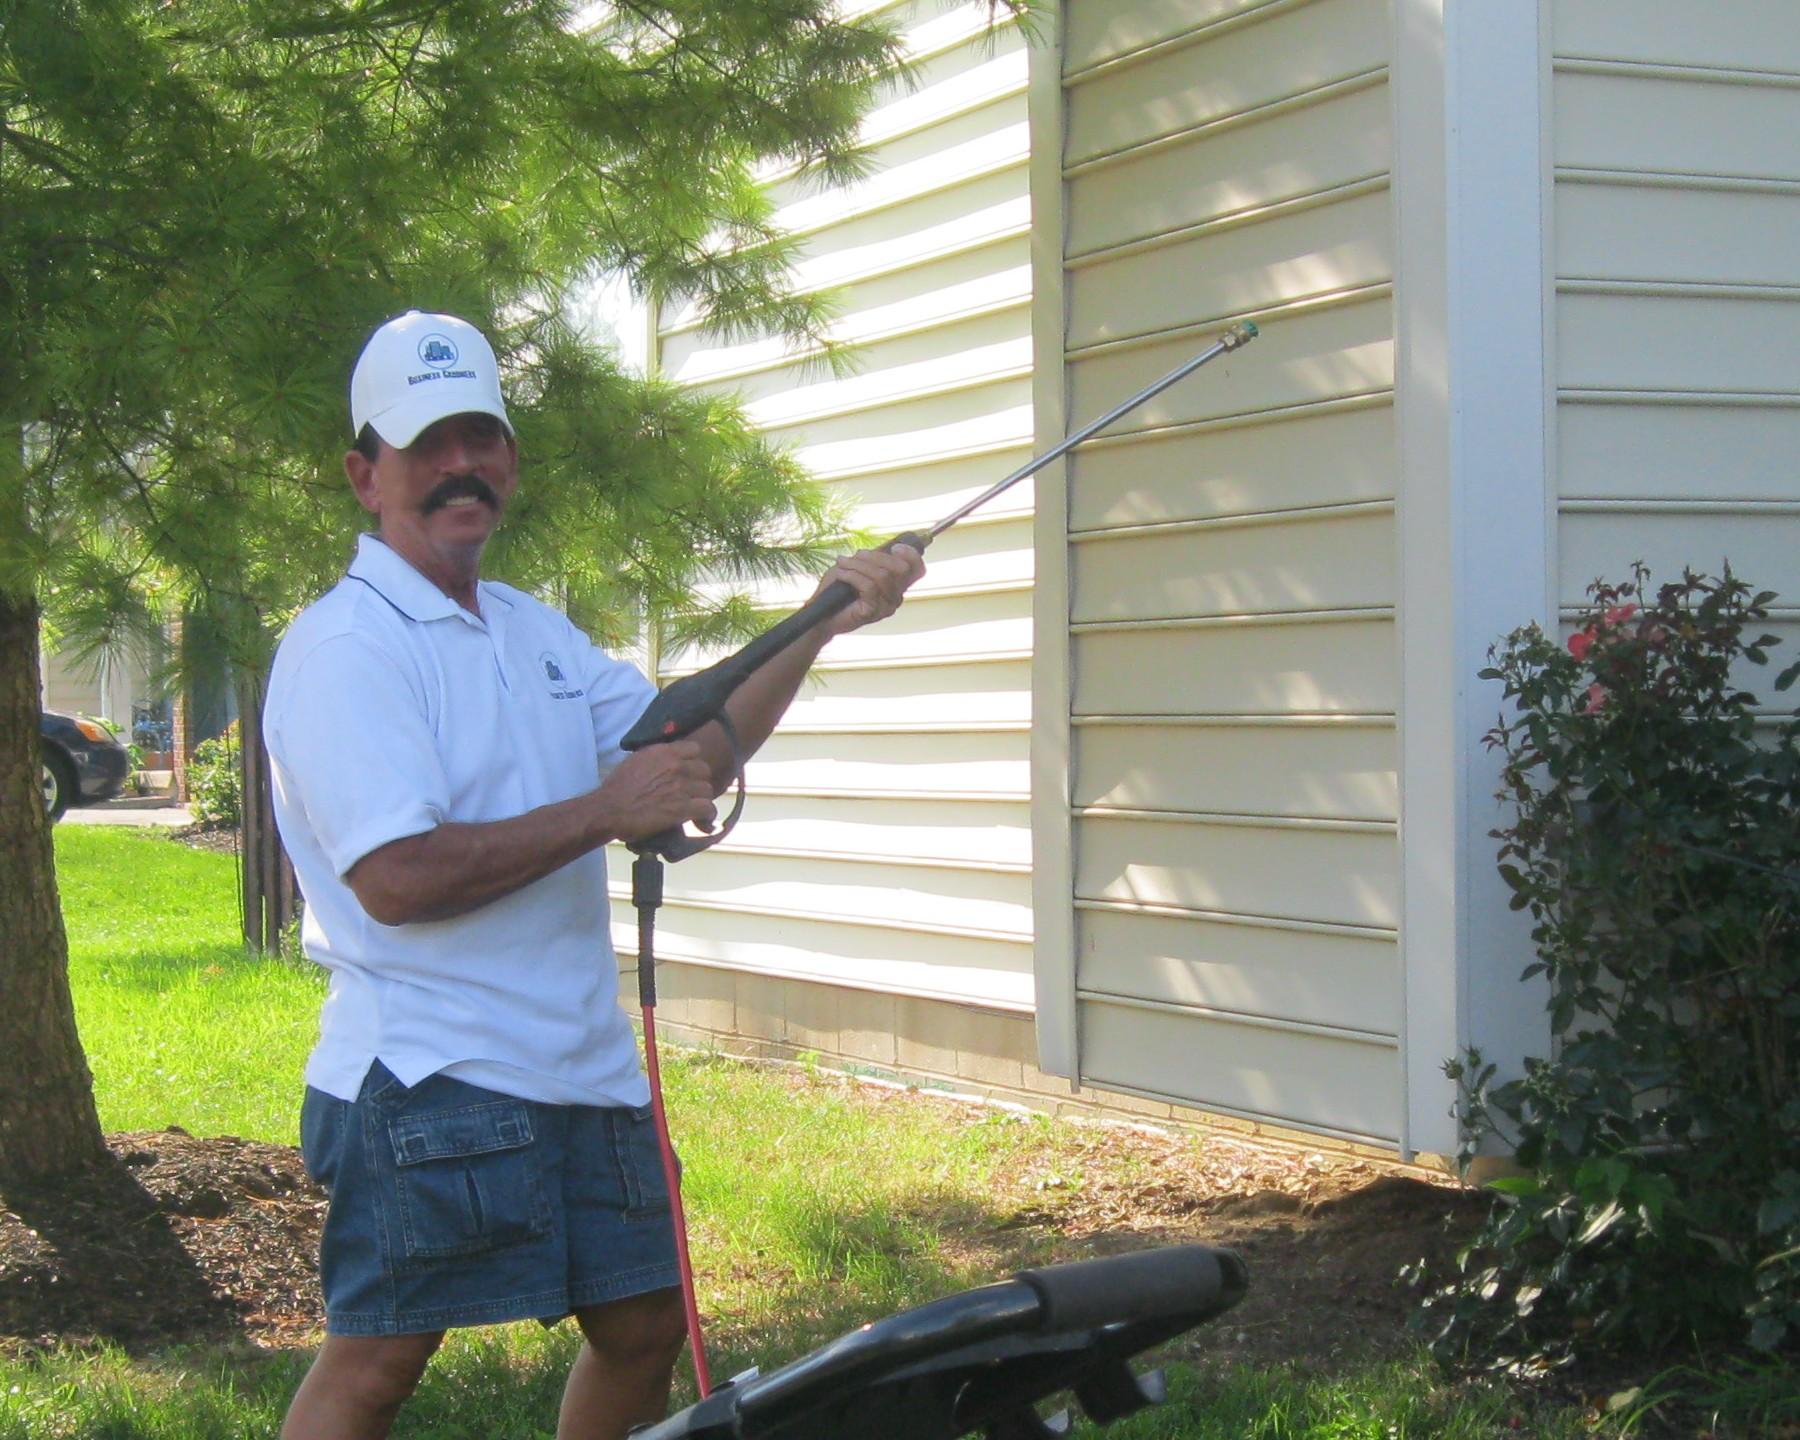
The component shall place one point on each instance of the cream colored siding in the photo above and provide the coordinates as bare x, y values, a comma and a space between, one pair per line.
108, 686
887, 842
1230, 561
1127, 768
1677, 272
72, 688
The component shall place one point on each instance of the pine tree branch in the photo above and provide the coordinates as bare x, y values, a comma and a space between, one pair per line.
44, 153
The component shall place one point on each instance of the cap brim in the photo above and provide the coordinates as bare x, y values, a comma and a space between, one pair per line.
402, 424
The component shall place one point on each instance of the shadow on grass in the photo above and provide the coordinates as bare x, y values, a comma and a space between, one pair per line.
131, 968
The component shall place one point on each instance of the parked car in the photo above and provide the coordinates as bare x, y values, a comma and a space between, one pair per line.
82, 761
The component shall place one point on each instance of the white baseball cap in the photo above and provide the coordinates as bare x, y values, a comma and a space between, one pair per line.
418, 368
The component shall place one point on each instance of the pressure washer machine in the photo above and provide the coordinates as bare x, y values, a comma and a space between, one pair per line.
981, 1361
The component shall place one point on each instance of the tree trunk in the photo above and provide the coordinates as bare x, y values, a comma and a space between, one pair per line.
268, 877
48, 1123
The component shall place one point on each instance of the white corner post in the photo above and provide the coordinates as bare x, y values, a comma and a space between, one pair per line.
1474, 410
1052, 864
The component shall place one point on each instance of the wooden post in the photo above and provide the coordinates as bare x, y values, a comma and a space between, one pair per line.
268, 881
290, 895
271, 856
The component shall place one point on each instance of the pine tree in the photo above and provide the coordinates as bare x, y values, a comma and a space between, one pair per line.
205, 207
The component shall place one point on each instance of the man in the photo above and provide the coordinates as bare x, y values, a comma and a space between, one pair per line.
446, 769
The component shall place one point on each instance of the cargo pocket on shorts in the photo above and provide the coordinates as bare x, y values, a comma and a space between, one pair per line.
467, 1181
640, 1164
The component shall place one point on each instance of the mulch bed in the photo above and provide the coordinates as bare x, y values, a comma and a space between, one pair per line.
181, 1239
176, 1240
221, 839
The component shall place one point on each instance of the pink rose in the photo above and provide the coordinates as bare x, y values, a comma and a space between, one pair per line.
1581, 642
1596, 698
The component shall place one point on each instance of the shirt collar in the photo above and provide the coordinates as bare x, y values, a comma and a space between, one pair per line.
392, 577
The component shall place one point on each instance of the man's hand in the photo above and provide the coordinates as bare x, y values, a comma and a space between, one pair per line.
658, 788
460, 866
880, 578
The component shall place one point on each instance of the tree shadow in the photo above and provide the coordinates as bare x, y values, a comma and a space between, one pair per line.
95, 1257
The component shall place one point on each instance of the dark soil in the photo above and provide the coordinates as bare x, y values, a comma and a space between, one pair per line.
1324, 1234
221, 837
183, 1240
176, 1240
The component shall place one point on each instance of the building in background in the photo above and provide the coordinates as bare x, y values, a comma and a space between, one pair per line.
1168, 783
122, 686
115, 686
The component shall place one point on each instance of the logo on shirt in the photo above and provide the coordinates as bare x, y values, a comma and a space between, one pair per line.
560, 688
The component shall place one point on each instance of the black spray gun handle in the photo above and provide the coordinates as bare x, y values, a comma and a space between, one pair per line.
685, 705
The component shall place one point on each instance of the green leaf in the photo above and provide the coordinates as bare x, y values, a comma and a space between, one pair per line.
1601, 1222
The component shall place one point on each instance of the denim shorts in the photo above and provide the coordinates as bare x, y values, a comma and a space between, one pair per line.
454, 1205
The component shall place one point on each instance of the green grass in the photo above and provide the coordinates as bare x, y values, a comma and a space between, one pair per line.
503, 1385
814, 1205
180, 1025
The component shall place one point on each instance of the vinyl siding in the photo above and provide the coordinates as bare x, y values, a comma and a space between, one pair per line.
107, 687
1230, 561
886, 847
1677, 282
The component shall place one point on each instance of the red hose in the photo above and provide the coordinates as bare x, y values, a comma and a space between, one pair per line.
672, 1178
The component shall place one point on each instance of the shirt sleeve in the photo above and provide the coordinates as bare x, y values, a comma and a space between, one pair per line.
617, 694
356, 752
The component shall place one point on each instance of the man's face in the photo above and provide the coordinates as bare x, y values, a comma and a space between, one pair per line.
440, 498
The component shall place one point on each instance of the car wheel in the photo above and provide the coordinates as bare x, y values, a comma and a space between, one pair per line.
59, 785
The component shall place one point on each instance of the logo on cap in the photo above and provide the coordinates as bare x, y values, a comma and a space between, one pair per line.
438, 350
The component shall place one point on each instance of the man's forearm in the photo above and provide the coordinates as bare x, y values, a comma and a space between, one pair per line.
459, 867
757, 705
880, 579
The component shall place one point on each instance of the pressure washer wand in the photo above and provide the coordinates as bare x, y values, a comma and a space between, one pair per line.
1232, 339
686, 704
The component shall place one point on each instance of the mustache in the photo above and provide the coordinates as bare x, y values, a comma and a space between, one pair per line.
455, 487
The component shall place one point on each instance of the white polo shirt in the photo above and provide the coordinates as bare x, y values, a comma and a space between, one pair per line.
392, 709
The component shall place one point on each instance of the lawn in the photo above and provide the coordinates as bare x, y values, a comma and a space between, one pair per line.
798, 1235
181, 1025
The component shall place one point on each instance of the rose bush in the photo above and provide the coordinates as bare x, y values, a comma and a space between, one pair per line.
215, 781
1655, 841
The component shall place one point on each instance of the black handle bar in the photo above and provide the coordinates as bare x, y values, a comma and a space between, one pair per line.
982, 1358
1147, 1285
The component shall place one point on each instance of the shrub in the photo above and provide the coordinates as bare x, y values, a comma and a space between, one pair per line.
1656, 846
214, 780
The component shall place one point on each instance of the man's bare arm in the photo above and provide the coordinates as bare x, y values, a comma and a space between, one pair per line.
880, 579
459, 867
